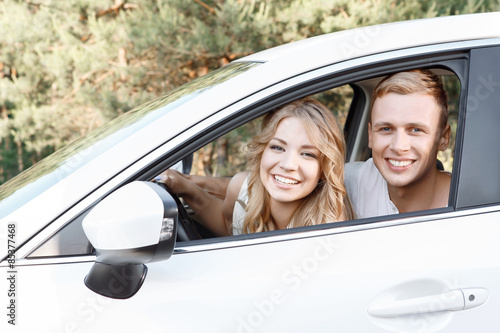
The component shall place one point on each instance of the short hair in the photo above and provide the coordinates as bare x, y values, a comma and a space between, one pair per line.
416, 81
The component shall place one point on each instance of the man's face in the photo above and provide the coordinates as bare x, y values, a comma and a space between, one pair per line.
404, 136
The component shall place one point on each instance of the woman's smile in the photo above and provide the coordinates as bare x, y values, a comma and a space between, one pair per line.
285, 180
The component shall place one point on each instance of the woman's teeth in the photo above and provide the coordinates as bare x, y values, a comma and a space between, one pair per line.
284, 180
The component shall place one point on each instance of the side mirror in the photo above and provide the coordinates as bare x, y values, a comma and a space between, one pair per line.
134, 225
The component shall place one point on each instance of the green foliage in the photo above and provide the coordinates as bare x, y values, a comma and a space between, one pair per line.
67, 67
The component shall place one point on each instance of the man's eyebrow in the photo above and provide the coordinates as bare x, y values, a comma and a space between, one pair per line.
417, 124
413, 124
382, 123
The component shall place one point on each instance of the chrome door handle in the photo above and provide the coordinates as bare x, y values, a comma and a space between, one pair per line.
454, 300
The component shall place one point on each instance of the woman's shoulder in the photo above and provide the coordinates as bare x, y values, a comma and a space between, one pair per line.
240, 177
234, 187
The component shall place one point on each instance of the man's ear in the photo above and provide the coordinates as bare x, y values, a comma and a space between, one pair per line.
444, 140
370, 135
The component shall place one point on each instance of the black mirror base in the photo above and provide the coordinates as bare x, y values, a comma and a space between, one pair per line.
116, 281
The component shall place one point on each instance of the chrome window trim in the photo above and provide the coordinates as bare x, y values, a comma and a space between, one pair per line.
52, 228
52, 261
184, 249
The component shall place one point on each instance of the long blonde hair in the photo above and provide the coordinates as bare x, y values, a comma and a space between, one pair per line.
328, 202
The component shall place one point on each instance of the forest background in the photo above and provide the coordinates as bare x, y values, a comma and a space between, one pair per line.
67, 67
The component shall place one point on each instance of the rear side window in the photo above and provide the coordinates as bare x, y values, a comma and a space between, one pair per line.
480, 173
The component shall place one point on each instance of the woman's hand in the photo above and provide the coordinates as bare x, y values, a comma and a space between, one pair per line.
176, 181
204, 195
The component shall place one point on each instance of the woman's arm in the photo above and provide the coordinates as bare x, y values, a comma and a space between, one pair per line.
216, 186
206, 205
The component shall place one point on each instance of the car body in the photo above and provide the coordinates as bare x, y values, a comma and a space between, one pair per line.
429, 271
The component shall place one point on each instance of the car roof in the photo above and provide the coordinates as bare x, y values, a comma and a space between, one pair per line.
358, 42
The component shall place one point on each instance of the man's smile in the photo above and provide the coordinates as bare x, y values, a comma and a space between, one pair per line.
400, 163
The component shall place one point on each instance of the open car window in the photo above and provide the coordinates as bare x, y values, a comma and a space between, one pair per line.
226, 156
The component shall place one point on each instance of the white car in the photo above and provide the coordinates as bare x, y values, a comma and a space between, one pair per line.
142, 264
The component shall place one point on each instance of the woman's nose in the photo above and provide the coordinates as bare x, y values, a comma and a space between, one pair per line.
289, 161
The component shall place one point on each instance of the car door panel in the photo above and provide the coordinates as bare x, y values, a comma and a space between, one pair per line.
332, 280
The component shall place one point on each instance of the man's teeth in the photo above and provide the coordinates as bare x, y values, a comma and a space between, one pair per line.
400, 163
285, 180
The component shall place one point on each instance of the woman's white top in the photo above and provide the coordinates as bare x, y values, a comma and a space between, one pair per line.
239, 210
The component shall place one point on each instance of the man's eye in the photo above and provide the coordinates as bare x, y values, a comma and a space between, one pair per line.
416, 130
385, 129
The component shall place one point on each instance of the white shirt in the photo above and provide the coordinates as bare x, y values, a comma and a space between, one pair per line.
367, 190
239, 210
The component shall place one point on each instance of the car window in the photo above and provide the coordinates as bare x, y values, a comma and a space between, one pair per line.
226, 156
479, 171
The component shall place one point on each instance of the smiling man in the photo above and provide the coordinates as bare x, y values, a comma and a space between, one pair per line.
408, 126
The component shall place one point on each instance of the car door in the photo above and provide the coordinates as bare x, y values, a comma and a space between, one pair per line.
421, 272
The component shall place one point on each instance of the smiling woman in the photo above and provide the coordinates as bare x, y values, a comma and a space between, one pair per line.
294, 177
296, 167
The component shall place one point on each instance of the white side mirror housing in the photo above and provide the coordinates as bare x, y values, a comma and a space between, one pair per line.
134, 225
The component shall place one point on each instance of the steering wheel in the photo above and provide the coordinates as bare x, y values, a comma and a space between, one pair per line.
186, 229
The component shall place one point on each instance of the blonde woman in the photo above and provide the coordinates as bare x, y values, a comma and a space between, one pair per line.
295, 176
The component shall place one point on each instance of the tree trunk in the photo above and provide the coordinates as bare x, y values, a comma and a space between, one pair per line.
221, 156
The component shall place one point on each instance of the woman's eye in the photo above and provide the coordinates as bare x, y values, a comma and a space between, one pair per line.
278, 148
309, 155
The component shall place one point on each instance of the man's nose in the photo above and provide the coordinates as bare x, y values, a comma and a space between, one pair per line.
400, 142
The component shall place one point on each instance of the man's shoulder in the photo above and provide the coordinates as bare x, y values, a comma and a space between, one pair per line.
361, 177
357, 170
367, 190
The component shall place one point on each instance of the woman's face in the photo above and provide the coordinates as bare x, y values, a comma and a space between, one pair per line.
290, 166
